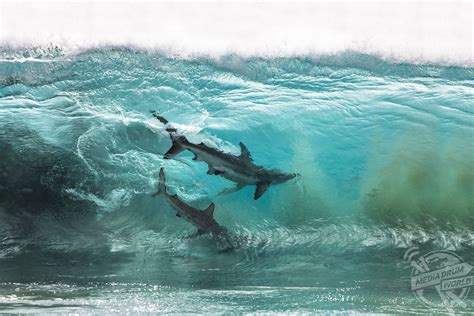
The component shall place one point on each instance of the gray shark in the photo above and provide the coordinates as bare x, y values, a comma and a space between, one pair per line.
240, 169
202, 219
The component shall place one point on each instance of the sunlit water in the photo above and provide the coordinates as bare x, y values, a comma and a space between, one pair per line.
385, 152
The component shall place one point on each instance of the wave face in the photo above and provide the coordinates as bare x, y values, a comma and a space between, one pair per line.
385, 152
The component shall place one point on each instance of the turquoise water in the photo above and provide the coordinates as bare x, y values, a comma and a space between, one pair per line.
385, 151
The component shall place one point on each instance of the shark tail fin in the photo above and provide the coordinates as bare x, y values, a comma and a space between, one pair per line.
210, 210
162, 183
176, 147
160, 118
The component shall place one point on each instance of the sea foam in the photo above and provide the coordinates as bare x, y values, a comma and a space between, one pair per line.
421, 32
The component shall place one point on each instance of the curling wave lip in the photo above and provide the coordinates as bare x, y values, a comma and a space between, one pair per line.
418, 32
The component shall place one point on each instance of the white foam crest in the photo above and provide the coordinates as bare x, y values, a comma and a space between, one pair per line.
417, 32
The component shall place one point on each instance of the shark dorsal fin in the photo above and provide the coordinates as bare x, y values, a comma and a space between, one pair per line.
210, 210
245, 153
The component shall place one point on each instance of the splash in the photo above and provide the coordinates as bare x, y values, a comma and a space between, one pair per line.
408, 32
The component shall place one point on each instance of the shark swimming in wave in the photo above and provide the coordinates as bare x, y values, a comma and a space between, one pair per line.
239, 169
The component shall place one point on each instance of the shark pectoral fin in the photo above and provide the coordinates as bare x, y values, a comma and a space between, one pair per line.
210, 210
177, 215
175, 149
261, 188
245, 153
232, 190
213, 171
210, 170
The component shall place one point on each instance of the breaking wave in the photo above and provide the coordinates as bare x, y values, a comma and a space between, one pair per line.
384, 149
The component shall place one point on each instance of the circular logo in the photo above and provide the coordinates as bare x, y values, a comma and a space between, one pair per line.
440, 278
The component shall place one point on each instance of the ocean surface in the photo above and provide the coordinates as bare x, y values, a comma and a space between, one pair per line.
385, 150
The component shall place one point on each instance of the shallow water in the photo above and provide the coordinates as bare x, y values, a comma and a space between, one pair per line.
385, 152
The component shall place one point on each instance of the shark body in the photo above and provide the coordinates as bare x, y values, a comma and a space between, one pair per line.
203, 220
239, 169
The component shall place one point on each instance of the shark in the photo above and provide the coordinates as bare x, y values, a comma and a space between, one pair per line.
240, 169
202, 219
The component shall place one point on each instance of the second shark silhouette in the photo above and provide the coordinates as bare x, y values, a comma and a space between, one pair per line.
202, 219
240, 169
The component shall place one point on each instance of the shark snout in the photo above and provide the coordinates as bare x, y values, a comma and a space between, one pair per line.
286, 177
291, 176
294, 175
